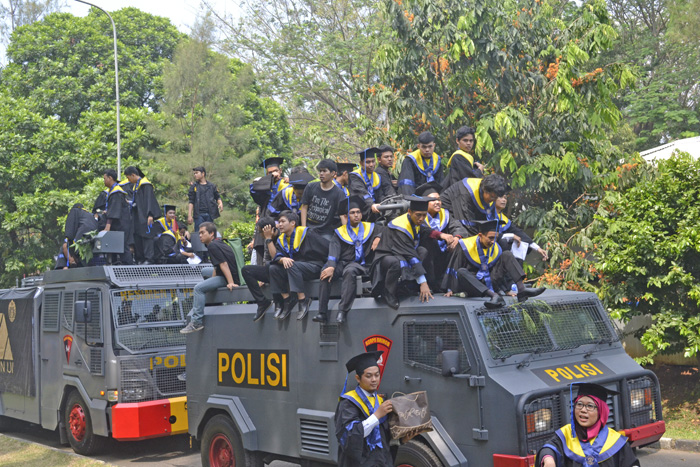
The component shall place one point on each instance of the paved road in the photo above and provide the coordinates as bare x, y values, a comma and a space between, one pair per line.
175, 452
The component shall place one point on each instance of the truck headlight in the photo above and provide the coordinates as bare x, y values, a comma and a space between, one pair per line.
640, 398
539, 421
133, 391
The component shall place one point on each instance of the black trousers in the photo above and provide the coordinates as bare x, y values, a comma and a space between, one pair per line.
435, 264
144, 248
252, 275
292, 280
348, 273
507, 267
390, 266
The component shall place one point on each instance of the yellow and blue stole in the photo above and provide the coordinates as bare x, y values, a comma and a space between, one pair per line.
472, 185
290, 199
439, 223
358, 237
168, 229
142, 181
483, 260
464, 154
403, 223
503, 223
370, 184
116, 188
291, 244
358, 397
280, 185
430, 170
344, 188
591, 453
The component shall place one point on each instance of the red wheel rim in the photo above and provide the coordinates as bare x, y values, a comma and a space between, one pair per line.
221, 452
76, 422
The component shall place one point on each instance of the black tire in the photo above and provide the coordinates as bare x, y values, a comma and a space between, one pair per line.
416, 454
79, 427
222, 446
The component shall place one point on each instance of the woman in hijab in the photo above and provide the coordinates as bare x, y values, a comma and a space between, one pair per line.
587, 441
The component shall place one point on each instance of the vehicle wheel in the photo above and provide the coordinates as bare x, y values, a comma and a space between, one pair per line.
221, 445
416, 454
79, 427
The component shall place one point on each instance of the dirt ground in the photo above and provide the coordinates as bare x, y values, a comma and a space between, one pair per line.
680, 397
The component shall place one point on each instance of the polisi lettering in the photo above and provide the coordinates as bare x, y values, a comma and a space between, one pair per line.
573, 372
259, 369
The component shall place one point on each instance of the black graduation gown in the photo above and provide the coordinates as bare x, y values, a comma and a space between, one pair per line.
119, 212
341, 253
78, 223
438, 254
459, 166
387, 179
399, 240
101, 201
353, 449
285, 200
357, 186
464, 201
263, 192
413, 176
624, 457
144, 205
313, 248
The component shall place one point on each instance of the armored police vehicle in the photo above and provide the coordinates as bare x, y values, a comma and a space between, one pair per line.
497, 380
97, 352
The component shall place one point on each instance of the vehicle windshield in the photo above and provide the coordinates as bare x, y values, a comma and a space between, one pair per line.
538, 327
150, 319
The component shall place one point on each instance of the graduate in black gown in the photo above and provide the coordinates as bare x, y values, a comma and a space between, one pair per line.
509, 233
79, 222
263, 191
167, 236
289, 198
439, 251
349, 256
118, 213
385, 164
361, 417
299, 254
420, 166
367, 184
472, 199
480, 268
399, 256
463, 163
144, 211
586, 440
342, 176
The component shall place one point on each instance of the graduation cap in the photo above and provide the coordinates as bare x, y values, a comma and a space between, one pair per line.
352, 202
345, 166
271, 162
428, 189
369, 152
485, 227
596, 390
359, 363
300, 179
418, 203
168, 207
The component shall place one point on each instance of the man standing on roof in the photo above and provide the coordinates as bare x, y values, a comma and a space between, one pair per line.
349, 254
144, 211
117, 213
360, 419
480, 268
204, 200
462, 163
367, 184
420, 166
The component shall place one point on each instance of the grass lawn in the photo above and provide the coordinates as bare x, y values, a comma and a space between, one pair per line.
16, 453
680, 399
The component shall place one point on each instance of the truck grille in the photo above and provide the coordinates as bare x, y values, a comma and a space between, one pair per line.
150, 378
314, 436
424, 342
645, 401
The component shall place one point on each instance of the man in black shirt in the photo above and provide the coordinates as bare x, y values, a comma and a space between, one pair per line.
385, 163
319, 203
205, 203
225, 274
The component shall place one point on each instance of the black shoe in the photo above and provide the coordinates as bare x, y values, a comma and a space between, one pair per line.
527, 293
287, 309
262, 308
303, 308
391, 301
279, 307
341, 317
320, 317
495, 302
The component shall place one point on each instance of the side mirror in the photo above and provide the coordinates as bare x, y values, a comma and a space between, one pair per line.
82, 311
450, 362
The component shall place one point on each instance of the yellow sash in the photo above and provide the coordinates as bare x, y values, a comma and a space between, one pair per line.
417, 158
472, 252
403, 223
464, 154
614, 440
473, 184
288, 195
375, 178
360, 403
444, 217
299, 234
344, 235
115, 189
167, 229
142, 181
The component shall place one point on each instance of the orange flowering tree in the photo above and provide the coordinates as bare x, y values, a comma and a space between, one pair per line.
527, 75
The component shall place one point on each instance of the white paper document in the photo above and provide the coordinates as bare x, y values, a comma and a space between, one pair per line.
520, 252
